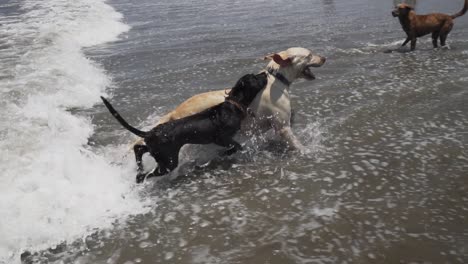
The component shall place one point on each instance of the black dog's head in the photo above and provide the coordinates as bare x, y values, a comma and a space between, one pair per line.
247, 87
402, 10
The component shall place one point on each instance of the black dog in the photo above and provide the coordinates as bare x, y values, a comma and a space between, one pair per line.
217, 125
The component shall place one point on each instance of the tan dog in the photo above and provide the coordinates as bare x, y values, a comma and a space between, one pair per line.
417, 26
271, 108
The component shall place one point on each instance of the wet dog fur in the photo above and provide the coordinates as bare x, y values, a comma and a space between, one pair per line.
217, 125
272, 107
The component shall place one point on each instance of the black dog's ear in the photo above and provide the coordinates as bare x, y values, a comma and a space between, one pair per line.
237, 87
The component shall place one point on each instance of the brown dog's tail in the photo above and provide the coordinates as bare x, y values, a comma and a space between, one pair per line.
122, 121
462, 12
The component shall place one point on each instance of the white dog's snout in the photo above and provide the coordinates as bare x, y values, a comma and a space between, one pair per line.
317, 61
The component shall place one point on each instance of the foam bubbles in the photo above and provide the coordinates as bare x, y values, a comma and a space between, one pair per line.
54, 187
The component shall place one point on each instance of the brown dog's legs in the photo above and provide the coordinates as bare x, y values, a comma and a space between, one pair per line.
435, 37
445, 31
443, 38
406, 41
413, 43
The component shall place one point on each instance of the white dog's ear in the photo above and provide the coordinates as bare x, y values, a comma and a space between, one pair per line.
283, 61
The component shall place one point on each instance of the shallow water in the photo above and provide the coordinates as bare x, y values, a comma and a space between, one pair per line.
384, 179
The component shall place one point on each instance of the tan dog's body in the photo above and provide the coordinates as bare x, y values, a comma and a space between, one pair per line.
195, 104
271, 108
417, 26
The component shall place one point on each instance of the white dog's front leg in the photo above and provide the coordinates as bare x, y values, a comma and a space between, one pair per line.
288, 136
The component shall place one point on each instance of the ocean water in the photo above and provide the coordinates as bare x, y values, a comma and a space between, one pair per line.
54, 186
384, 178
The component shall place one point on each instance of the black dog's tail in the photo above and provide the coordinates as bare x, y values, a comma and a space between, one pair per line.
122, 121
462, 12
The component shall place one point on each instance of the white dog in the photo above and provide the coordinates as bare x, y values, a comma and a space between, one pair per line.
271, 108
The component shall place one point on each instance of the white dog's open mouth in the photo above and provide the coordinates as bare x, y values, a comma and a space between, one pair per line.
307, 73
316, 62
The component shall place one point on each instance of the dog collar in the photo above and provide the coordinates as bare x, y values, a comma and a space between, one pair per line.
280, 77
243, 109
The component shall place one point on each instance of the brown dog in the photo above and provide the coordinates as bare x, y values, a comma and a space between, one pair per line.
416, 26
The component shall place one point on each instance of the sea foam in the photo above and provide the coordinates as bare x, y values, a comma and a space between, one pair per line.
53, 186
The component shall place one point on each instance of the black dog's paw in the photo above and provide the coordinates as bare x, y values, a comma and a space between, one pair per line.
140, 177
228, 152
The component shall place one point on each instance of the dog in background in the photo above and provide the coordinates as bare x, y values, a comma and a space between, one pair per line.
217, 125
417, 26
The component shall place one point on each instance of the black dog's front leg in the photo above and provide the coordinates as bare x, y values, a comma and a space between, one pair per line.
232, 146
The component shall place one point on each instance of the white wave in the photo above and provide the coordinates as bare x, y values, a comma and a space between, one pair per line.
53, 187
